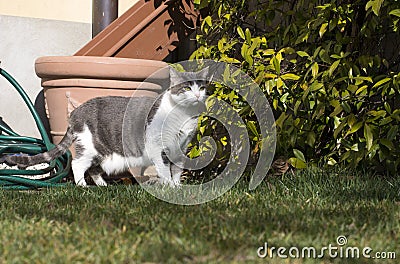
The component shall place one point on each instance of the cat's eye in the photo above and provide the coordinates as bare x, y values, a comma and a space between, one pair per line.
187, 88
202, 88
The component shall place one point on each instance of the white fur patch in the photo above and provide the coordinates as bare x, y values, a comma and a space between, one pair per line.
85, 138
116, 163
170, 126
82, 164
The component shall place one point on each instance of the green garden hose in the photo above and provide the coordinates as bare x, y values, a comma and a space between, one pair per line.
13, 144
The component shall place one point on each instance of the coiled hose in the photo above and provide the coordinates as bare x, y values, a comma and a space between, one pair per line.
12, 143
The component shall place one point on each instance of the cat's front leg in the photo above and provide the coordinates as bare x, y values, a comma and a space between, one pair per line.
163, 170
176, 171
165, 176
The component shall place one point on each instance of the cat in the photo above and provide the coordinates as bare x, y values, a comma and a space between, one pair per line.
156, 132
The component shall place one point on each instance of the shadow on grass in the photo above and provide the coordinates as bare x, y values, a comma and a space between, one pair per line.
310, 208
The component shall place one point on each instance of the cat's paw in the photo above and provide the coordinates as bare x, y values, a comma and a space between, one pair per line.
163, 182
176, 183
98, 180
151, 181
166, 182
81, 183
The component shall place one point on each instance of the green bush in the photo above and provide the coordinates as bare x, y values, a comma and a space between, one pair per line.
330, 70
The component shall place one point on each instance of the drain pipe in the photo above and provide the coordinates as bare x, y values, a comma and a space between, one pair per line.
104, 12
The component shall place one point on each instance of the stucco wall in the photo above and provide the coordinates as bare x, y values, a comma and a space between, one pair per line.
66, 10
22, 40
33, 28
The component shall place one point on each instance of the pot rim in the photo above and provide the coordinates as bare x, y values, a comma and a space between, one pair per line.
92, 67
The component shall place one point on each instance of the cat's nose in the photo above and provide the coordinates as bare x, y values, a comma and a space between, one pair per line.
197, 94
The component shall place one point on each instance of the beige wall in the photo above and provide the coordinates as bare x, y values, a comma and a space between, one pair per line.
67, 10
33, 28
23, 40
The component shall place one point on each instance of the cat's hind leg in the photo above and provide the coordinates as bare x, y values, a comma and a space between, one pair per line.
79, 167
85, 154
95, 173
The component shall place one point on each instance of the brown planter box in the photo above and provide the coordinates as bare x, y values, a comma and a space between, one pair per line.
148, 30
70, 81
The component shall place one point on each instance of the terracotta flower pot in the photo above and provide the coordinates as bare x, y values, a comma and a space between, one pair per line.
70, 81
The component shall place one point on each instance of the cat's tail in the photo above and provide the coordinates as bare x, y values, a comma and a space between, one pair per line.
24, 160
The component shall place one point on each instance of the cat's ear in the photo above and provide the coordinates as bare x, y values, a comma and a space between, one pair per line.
175, 76
173, 73
204, 74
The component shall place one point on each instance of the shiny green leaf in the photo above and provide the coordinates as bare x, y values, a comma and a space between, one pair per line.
297, 163
208, 21
298, 154
369, 137
383, 81
375, 5
332, 161
395, 12
240, 32
290, 76
252, 127
392, 133
333, 67
354, 128
339, 129
387, 143
276, 64
336, 111
302, 54
248, 35
311, 137
315, 86
322, 29
314, 69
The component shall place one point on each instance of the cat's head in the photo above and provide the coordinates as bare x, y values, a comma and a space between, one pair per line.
188, 88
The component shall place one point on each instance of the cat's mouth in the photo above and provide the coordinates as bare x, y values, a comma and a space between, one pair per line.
198, 101
193, 100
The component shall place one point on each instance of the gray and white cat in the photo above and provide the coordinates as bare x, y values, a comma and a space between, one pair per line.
156, 131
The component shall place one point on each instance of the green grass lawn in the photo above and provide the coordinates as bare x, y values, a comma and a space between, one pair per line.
125, 224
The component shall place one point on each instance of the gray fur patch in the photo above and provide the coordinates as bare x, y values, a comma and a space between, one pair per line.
154, 109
